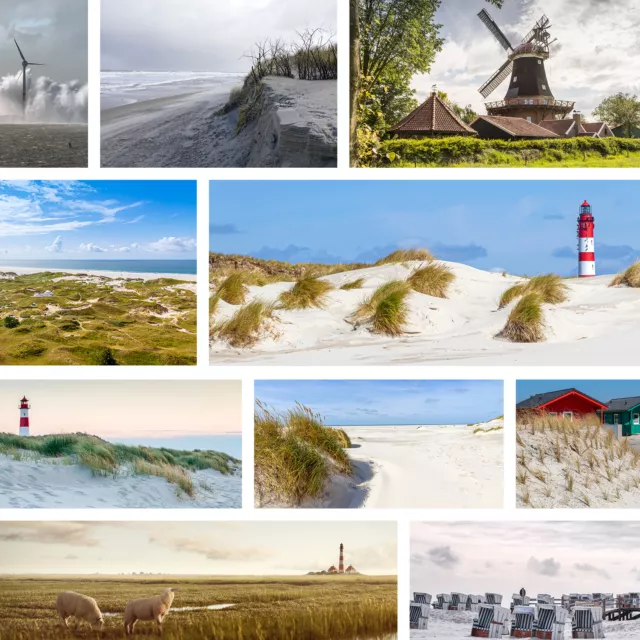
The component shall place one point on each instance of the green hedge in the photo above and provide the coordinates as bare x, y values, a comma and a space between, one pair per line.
445, 151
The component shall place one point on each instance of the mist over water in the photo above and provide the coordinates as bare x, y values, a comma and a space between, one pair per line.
48, 101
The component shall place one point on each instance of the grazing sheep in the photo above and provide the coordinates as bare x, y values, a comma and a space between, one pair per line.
155, 608
81, 607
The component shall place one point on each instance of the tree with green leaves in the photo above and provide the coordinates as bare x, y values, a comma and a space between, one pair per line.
622, 109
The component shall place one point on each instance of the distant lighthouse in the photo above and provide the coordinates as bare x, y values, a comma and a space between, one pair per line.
586, 242
24, 416
341, 563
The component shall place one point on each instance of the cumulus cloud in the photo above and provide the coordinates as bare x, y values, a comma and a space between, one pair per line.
216, 552
92, 248
75, 534
589, 568
56, 245
546, 567
443, 556
173, 245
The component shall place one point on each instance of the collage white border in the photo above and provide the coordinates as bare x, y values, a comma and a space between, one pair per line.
247, 374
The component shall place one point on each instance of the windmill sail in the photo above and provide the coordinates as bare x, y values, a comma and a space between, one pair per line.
490, 23
539, 31
496, 79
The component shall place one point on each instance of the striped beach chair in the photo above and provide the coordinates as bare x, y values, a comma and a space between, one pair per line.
418, 615
586, 622
493, 598
474, 602
458, 602
422, 598
522, 622
550, 622
492, 622
443, 600
545, 598
519, 601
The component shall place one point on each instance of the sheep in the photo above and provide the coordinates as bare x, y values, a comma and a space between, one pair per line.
69, 603
155, 608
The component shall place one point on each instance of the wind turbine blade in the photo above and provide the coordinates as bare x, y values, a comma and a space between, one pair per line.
21, 72
36, 64
20, 50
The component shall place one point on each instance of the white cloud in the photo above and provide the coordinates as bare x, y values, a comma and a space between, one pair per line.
92, 248
173, 245
56, 245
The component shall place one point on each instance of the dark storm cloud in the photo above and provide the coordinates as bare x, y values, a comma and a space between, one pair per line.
201, 35
49, 31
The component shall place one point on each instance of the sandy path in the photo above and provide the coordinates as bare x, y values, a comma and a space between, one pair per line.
44, 484
179, 131
420, 467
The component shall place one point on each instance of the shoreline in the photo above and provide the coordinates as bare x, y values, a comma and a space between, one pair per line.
115, 275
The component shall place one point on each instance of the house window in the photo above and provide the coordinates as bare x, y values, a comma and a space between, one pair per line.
539, 61
615, 418
515, 78
529, 118
544, 86
567, 415
636, 418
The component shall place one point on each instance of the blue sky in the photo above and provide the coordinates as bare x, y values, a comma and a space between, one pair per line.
106, 219
603, 390
524, 227
388, 402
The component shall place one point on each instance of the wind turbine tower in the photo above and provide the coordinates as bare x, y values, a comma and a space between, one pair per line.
25, 66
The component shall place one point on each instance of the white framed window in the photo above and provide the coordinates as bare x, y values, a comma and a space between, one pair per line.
539, 61
529, 118
615, 418
515, 78
568, 415
636, 418
544, 86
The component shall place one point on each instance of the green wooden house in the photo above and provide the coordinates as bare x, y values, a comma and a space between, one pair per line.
625, 412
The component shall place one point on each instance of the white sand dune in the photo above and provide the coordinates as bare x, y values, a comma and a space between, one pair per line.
446, 466
116, 275
456, 625
597, 325
47, 483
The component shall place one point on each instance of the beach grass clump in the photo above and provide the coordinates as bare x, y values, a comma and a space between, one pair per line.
386, 309
630, 277
550, 288
354, 284
180, 477
510, 294
406, 255
308, 292
295, 453
244, 327
432, 280
232, 289
344, 439
525, 322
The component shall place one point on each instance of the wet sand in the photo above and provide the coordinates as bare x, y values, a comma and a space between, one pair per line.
43, 145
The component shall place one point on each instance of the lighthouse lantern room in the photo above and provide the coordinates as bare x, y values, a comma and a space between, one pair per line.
24, 416
586, 242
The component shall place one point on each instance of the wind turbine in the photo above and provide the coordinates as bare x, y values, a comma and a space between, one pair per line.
23, 73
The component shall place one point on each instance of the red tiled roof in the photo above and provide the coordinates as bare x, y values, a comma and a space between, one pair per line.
519, 127
593, 127
433, 115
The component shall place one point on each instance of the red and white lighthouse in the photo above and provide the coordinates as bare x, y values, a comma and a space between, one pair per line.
586, 242
341, 563
24, 416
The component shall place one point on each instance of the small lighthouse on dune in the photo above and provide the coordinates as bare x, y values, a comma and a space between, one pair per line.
24, 416
586, 242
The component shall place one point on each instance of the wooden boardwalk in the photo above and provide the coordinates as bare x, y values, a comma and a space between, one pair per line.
630, 613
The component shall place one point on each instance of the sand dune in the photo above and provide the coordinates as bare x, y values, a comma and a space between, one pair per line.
393, 467
45, 483
596, 325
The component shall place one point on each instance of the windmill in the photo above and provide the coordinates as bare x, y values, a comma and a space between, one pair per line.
23, 74
529, 95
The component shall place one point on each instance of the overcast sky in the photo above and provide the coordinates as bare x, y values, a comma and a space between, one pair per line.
597, 53
201, 35
114, 408
542, 557
53, 32
188, 548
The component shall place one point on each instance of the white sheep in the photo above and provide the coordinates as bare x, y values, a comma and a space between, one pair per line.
81, 607
155, 608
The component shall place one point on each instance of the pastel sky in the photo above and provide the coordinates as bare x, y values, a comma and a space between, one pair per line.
593, 37
388, 402
124, 408
524, 227
603, 390
105, 219
542, 557
195, 548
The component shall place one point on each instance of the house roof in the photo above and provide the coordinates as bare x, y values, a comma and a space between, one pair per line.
594, 127
622, 404
542, 399
519, 127
433, 115
559, 127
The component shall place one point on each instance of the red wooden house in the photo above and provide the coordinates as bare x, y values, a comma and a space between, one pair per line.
566, 403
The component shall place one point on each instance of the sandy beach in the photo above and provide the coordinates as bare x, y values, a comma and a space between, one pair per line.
393, 465
595, 326
456, 625
115, 275
43, 145
53, 483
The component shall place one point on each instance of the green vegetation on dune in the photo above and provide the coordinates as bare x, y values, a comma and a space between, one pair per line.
103, 458
630, 277
91, 322
295, 453
550, 289
286, 608
526, 321
306, 293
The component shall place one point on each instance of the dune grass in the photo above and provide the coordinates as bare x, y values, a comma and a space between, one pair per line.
308, 292
354, 284
550, 288
344, 439
628, 278
232, 289
243, 328
525, 322
406, 255
386, 309
295, 453
432, 280
106, 459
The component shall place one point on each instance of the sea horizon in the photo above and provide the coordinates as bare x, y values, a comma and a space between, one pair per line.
180, 266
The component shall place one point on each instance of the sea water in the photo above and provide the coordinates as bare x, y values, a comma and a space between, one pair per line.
124, 266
